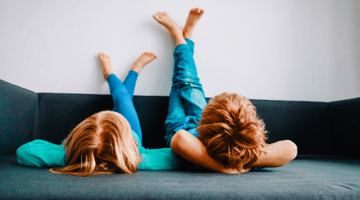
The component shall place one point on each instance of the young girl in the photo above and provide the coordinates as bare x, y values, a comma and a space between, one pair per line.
106, 142
231, 136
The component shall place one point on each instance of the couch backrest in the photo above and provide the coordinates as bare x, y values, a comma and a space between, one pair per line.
18, 112
345, 126
60, 113
26, 115
305, 123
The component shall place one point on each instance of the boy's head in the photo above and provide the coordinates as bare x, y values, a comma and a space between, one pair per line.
231, 131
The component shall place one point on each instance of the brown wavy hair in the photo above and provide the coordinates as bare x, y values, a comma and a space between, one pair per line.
101, 144
231, 131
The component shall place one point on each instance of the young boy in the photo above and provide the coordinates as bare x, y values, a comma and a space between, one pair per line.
230, 138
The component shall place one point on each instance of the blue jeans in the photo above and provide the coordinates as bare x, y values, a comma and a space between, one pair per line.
187, 98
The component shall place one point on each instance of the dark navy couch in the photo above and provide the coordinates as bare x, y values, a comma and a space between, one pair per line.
327, 166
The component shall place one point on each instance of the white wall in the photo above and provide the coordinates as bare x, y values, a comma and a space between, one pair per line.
281, 49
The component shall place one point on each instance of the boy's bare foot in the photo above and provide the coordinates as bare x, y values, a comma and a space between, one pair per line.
191, 21
164, 19
144, 59
105, 62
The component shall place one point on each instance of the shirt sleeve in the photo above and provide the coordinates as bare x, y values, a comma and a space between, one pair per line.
40, 153
159, 159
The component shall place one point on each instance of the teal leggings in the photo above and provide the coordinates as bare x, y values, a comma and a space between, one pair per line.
122, 94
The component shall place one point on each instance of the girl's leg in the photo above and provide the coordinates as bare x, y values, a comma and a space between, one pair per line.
121, 97
130, 80
123, 103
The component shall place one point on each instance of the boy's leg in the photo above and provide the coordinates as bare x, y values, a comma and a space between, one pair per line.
176, 115
189, 87
185, 74
192, 93
185, 82
191, 44
130, 80
176, 111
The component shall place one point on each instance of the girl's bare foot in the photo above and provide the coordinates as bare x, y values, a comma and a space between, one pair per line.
144, 59
164, 19
191, 21
105, 62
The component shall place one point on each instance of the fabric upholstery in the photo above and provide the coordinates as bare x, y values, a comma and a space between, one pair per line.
345, 118
18, 114
60, 113
300, 179
326, 135
305, 123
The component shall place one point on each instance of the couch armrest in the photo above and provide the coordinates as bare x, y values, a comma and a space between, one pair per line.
18, 112
345, 120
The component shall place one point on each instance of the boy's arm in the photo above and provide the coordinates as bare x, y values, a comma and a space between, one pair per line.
192, 149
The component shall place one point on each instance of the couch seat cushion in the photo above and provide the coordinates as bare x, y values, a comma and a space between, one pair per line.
300, 179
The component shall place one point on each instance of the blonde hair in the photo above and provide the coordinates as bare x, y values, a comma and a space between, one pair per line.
231, 131
101, 144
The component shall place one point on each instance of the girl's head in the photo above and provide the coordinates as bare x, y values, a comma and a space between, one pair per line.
231, 131
101, 144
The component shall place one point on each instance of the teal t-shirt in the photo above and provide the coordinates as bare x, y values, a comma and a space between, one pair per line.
40, 153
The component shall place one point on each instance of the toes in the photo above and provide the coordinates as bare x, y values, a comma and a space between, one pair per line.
202, 11
151, 55
192, 10
156, 17
103, 56
196, 10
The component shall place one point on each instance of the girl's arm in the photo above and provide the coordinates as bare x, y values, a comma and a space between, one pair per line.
40, 153
159, 159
